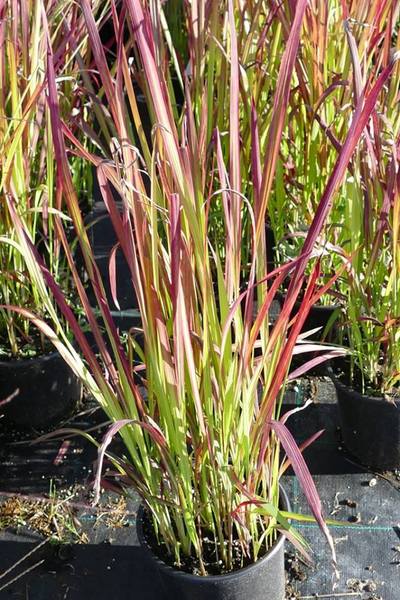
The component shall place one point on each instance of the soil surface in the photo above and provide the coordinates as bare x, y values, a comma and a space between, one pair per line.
211, 553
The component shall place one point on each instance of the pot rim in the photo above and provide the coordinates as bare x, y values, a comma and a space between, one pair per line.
275, 548
38, 357
365, 397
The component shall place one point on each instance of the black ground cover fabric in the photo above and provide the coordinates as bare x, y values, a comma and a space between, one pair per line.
368, 544
111, 565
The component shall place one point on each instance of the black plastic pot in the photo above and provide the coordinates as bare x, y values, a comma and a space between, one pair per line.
319, 316
263, 580
48, 390
370, 427
270, 243
102, 239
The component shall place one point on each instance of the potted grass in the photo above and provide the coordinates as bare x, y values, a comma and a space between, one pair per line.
42, 386
367, 383
323, 100
320, 107
203, 433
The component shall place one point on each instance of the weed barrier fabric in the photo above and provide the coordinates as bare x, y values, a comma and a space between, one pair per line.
111, 564
368, 542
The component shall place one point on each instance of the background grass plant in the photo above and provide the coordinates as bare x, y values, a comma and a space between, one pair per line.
27, 161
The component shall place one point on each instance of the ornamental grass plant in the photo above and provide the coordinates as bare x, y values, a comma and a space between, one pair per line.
359, 40
205, 441
371, 229
344, 46
27, 161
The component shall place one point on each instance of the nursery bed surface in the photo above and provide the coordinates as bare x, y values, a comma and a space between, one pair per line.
368, 544
110, 563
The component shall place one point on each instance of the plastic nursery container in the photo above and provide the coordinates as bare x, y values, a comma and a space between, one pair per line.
319, 316
262, 580
48, 390
370, 426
